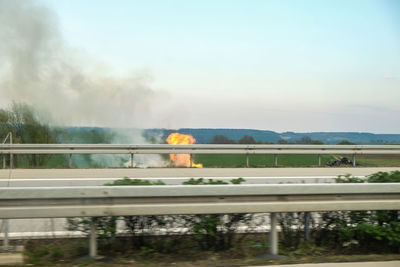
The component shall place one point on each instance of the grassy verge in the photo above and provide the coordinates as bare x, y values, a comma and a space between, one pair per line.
179, 251
259, 161
378, 161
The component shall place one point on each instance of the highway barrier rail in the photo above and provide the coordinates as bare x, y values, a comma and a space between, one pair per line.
47, 202
57, 181
87, 201
11, 149
195, 149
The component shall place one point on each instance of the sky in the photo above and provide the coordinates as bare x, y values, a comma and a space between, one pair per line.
275, 65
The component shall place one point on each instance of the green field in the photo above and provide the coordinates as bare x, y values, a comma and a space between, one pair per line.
259, 161
379, 161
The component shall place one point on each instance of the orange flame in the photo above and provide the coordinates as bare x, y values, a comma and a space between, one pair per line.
182, 159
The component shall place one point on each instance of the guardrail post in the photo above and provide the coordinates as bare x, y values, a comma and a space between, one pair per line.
11, 155
131, 160
4, 161
53, 228
307, 225
5, 230
247, 160
93, 239
273, 235
319, 160
354, 160
70, 161
276, 160
191, 160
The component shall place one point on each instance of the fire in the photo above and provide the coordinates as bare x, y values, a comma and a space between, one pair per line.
182, 159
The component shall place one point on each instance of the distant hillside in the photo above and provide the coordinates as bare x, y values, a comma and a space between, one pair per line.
336, 137
205, 135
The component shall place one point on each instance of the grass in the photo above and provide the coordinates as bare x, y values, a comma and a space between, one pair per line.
378, 161
72, 252
298, 160
259, 161
50, 252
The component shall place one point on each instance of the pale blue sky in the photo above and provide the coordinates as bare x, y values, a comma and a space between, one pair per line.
278, 65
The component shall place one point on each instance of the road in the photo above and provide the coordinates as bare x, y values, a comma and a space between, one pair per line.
186, 172
175, 176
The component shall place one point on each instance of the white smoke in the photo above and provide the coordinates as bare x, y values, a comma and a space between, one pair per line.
38, 69
140, 160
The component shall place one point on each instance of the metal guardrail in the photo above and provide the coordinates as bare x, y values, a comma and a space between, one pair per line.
10, 149
47, 202
195, 149
59, 182
50, 202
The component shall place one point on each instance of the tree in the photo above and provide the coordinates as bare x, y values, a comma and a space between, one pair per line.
317, 142
221, 139
308, 141
283, 141
345, 142
247, 139
304, 140
26, 128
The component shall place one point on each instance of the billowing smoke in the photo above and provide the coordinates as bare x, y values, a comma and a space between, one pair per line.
37, 68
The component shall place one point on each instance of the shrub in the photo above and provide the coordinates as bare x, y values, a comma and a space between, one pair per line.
210, 232
376, 230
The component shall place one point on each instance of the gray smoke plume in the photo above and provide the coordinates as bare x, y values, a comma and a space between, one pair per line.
37, 68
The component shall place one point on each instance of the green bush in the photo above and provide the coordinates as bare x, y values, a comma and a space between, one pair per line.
215, 231
107, 226
210, 232
201, 181
345, 230
367, 230
385, 177
128, 181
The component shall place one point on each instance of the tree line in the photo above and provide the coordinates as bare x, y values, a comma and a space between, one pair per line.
248, 139
25, 126
28, 126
